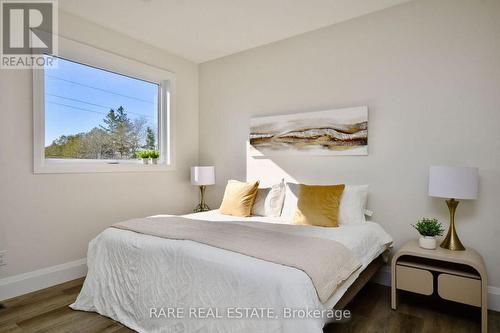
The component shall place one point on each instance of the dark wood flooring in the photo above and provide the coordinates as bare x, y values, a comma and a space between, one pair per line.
47, 311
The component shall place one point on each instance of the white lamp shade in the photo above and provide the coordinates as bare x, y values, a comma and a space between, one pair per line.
453, 182
203, 175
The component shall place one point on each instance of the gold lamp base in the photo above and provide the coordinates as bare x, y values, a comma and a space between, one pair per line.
202, 206
451, 241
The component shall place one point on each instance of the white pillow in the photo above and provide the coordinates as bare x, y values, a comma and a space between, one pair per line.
291, 197
352, 203
269, 201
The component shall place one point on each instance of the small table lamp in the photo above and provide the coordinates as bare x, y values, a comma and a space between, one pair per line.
202, 176
453, 183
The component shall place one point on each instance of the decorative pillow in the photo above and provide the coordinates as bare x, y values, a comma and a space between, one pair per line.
239, 198
318, 205
353, 204
269, 201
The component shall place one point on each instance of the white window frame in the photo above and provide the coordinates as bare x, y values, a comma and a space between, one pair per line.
91, 56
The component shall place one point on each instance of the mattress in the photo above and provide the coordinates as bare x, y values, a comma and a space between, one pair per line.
131, 274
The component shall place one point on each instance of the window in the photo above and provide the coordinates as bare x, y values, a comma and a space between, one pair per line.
94, 114
95, 111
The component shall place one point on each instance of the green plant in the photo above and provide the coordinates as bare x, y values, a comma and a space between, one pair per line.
154, 153
143, 153
429, 227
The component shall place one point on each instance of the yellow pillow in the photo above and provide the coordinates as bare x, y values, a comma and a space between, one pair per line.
318, 205
239, 198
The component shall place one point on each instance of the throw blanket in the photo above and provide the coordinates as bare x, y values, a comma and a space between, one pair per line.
328, 263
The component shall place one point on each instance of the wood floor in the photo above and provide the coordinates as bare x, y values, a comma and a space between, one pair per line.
47, 311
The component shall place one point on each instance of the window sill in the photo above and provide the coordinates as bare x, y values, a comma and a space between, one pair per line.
92, 167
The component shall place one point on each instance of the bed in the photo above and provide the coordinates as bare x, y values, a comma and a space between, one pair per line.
152, 284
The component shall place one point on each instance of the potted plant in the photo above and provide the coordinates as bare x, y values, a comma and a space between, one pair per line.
144, 155
154, 154
428, 230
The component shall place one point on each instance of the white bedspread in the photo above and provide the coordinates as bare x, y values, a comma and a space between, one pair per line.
130, 275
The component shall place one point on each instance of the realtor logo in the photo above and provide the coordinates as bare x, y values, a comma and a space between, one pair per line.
28, 29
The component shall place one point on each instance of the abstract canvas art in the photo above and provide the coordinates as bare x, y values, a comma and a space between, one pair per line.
332, 132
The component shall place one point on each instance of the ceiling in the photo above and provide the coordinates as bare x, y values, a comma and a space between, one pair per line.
203, 30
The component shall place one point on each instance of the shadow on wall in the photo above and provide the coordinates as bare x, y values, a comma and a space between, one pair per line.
400, 198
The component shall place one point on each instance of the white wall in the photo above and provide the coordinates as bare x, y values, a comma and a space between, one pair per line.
48, 220
429, 70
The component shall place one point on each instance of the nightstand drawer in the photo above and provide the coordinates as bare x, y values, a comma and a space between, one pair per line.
414, 279
460, 289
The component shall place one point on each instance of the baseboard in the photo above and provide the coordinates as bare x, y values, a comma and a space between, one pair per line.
383, 277
494, 298
21, 284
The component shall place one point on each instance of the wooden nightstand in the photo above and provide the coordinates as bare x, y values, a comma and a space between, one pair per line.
458, 276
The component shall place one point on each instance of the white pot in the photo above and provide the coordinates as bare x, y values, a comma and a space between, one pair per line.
145, 161
154, 161
427, 242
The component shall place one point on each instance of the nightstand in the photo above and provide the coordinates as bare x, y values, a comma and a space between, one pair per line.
458, 276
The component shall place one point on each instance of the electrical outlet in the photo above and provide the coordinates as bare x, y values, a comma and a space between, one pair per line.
3, 258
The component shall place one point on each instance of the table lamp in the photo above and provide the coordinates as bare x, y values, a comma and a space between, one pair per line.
453, 183
202, 176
